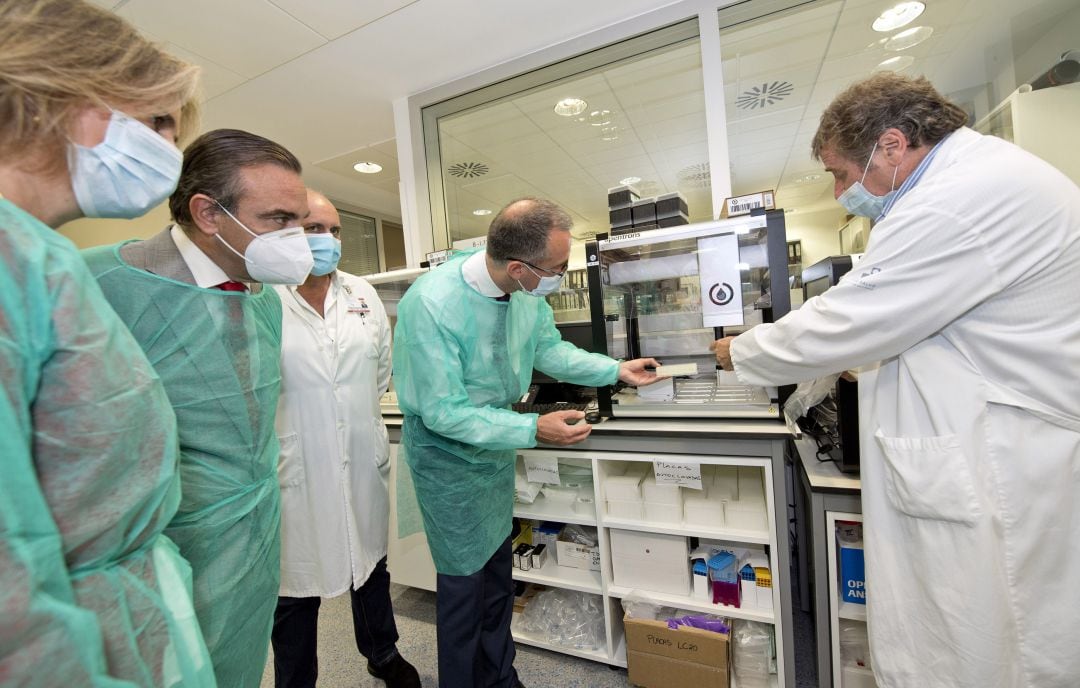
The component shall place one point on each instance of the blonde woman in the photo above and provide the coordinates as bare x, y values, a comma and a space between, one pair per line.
91, 592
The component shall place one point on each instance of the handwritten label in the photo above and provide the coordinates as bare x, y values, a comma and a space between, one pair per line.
684, 474
542, 470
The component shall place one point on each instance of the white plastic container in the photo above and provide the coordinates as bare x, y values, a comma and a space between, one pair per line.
701, 509
625, 508
741, 515
650, 561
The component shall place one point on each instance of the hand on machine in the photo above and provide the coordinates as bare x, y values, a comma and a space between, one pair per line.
562, 428
722, 349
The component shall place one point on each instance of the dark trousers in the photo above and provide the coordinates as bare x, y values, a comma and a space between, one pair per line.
295, 630
472, 618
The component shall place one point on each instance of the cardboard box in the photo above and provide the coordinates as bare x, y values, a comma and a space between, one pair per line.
659, 657
742, 205
650, 561
577, 556
622, 196
671, 205
673, 221
643, 212
852, 564
620, 217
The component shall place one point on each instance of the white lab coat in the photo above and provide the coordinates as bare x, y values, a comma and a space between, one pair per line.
968, 297
334, 464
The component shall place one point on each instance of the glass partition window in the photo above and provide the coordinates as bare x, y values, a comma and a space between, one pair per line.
630, 114
359, 244
782, 70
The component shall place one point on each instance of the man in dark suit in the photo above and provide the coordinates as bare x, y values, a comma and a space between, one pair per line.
192, 298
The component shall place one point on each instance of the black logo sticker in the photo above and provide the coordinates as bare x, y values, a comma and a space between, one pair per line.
721, 293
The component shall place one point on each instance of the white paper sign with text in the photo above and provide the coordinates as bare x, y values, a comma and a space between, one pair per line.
541, 469
672, 473
721, 281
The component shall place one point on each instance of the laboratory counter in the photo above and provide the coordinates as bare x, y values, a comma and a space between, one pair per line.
762, 444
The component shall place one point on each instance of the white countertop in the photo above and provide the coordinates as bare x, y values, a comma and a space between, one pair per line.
824, 475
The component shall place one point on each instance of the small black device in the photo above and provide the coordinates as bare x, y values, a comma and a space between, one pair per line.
823, 274
817, 279
592, 413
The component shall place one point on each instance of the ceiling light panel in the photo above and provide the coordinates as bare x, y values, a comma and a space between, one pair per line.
900, 14
908, 38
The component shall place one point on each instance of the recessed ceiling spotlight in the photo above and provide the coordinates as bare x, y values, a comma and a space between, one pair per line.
629, 180
609, 133
481, 212
895, 64
600, 118
807, 178
568, 107
909, 38
900, 14
367, 167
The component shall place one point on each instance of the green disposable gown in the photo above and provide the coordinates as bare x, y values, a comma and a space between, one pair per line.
218, 354
460, 360
91, 592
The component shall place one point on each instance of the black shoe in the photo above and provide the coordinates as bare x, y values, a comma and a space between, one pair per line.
397, 673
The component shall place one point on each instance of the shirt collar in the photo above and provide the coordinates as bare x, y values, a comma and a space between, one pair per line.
206, 272
912, 179
475, 273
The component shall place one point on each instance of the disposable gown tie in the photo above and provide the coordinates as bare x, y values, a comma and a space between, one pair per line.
218, 354
460, 360
91, 592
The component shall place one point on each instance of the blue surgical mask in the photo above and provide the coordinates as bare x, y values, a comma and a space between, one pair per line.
326, 250
133, 170
858, 201
547, 285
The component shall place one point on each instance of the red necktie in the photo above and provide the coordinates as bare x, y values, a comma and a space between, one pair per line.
231, 286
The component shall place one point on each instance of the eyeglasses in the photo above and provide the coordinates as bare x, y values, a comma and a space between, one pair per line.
553, 273
320, 229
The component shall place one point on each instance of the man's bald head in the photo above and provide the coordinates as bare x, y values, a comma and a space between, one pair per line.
520, 231
324, 216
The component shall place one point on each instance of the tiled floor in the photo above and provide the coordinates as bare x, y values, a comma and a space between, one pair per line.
341, 666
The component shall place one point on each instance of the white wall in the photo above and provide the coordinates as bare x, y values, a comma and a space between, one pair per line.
819, 233
86, 232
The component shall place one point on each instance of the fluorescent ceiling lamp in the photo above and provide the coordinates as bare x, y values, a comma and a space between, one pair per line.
900, 14
367, 167
909, 38
600, 118
568, 107
481, 212
807, 178
896, 64
630, 180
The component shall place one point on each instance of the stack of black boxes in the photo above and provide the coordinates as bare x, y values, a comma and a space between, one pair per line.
629, 212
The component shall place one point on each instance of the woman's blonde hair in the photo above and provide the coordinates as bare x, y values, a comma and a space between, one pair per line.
58, 57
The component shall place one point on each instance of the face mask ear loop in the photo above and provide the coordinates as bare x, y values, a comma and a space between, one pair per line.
865, 169
239, 255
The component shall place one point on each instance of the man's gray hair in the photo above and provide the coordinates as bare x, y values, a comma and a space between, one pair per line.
520, 230
854, 121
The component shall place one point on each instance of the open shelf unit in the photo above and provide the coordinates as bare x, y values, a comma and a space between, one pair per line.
754, 445
602, 583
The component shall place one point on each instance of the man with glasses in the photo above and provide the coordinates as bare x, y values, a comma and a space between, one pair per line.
334, 466
469, 334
